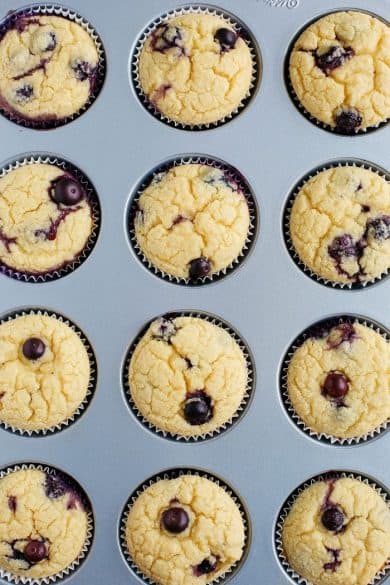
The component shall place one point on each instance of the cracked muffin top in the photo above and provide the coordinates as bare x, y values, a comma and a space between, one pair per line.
44, 372
185, 531
340, 71
195, 69
338, 533
340, 224
187, 376
45, 218
192, 221
47, 67
43, 524
338, 380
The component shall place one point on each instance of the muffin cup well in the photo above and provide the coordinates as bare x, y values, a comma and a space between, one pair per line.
67, 267
76, 564
290, 89
92, 380
242, 185
55, 10
283, 386
231, 21
174, 473
350, 162
246, 400
383, 491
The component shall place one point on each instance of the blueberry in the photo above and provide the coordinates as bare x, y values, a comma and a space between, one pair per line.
342, 246
335, 385
199, 268
82, 69
333, 519
164, 329
333, 58
33, 348
207, 566
167, 37
379, 228
35, 551
175, 520
198, 408
24, 93
52, 42
348, 121
54, 487
226, 38
12, 503
67, 191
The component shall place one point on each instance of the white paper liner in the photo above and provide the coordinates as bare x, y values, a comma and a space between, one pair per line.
56, 10
231, 21
75, 565
295, 99
91, 384
94, 204
359, 163
246, 399
244, 188
173, 474
294, 417
380, 577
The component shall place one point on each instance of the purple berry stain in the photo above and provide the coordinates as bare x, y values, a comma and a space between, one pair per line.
7, 241
343, 333
379, 228
333, 58
167, 37
335, 563
12, 503
51, 232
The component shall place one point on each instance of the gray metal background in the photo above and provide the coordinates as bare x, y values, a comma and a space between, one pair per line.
268, 299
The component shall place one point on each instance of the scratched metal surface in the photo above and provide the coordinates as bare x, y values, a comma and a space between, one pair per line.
269, 300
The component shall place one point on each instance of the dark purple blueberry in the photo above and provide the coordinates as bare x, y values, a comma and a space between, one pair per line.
333, 519
335, 385
33, 348
35, 551
24, 93
365, 208
167, 37
226, 38
198, 408
164, 329
199, 268
332, 566
345, 332
379, 228
12, 503
342, 247
67, 191
51, 42
82, 69
333, 58
54, 487
206, 566
348, 121
175, 520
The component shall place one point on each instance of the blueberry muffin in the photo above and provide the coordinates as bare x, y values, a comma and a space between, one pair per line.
43, 524
45, 219
338, 533
48, 68
187, 376
44, 372
185, 531
339, 71
195, 69
192, 221
338, 380
340, 225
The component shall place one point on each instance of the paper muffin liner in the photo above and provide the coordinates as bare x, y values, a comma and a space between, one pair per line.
294, 577
91, 384
93, 201
55, 10
232, 21
359, 163
283, 382
235, 177
76, 564
246, 399
174, 473
294, 97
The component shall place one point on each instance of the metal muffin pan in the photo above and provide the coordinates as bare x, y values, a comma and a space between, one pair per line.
268, 299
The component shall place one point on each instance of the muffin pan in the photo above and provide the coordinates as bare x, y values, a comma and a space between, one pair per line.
268, 299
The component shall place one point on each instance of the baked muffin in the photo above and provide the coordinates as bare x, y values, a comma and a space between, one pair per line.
195, 69
338, 533
185, 531
43, 524
187, 376
192, 221
45, 219
338, 380
340, 225
44, 372
48, 67
339, 70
